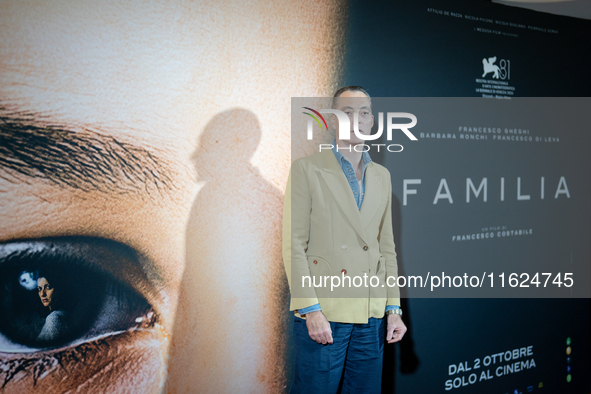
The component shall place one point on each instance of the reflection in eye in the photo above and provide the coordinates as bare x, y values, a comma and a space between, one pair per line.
53, 294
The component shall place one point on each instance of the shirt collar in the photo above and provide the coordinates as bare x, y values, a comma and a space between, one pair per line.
365, 157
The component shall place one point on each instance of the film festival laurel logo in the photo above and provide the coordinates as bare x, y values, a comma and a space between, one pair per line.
344, 128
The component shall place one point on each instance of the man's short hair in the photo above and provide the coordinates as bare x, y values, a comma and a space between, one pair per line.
351, 88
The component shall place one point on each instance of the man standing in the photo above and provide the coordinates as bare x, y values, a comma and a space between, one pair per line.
338, 226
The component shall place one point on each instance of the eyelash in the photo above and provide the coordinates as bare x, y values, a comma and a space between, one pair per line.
43, 363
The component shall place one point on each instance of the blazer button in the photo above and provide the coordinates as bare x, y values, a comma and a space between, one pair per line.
344, 271
365, 247
315, 261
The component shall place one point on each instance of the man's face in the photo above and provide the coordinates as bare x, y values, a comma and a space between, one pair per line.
108, 111
351, 102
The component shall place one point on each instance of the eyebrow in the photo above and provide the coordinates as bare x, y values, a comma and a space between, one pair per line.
346, 108
85, 160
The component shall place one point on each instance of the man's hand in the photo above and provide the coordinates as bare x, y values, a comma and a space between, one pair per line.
319, 328
396, 328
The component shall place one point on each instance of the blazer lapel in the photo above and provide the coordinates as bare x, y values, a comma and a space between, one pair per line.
373, 195
339, 187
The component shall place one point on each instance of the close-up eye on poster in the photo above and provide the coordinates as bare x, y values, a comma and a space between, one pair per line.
326, 197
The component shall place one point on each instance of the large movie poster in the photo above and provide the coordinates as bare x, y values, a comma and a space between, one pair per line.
144, 151
509, 156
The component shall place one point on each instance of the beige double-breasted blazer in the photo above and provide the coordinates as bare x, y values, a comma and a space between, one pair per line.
325, 235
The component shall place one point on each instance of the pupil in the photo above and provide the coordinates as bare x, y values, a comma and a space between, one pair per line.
26, 320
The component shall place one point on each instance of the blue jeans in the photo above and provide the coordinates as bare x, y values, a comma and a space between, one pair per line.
356, 355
